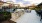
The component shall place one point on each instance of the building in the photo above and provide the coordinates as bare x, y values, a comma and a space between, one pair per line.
32, 6
8, 3
16, 5
1, 3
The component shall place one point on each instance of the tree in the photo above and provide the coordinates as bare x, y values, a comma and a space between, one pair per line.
38, 7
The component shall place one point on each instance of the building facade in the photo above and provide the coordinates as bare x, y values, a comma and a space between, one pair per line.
1, 3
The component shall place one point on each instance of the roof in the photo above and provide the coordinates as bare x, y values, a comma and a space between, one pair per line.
2, 2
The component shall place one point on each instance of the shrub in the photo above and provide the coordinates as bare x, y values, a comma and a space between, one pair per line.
5, 16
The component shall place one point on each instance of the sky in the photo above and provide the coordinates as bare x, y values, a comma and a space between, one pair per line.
26, 1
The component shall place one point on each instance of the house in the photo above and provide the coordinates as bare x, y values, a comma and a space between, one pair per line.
1, 3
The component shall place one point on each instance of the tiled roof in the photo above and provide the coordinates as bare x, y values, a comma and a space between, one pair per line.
2, 2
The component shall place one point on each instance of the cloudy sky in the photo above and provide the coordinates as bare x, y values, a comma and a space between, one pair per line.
26, 1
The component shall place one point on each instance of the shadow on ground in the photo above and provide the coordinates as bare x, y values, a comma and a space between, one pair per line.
8, 21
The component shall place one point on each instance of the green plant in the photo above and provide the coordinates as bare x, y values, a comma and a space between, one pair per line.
5, 16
